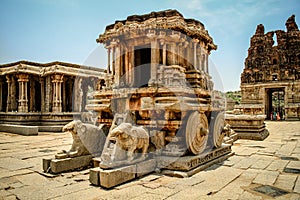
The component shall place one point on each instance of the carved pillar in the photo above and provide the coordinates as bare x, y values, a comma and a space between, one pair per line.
206, 63
108, 60
173, 54
42, 82
23, 99
154, 60
131, 65
56, 103
48, 94
8, 103
78, 94
14, 103
117, 65
126, 65
195, 55
113, 60
64, 96
180, 54
164, 53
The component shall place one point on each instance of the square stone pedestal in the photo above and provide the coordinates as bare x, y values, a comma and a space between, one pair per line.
250, 127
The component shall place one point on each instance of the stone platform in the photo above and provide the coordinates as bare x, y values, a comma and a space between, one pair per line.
189, 165
174, 166
19, 129
251, 127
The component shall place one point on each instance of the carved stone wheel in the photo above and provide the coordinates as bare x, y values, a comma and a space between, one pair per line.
196, 132
217, 129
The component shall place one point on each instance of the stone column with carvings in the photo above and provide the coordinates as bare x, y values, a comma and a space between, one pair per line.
164, 53
154, 60
195, 54
206, 63
14, 102
8, 103
113, 60
108, 60
23, 99
78, 94
57, 79
48, 94
117, 65
42, 82
131, 66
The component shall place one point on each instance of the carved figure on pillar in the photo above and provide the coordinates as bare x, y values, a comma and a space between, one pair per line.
23, 99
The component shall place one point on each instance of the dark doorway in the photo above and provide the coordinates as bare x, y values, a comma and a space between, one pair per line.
4, 96
275, 103
38, 97
142, 66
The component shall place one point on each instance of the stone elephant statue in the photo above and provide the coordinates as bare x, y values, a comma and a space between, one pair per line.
88, 139
131, 139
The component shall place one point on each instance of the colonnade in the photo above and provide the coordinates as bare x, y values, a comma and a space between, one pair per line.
30, 93
173, 49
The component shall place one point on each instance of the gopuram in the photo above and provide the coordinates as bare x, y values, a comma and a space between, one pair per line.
157, 100
46, 96
270, 82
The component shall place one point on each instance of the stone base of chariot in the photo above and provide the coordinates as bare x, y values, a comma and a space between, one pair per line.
251, 127
109, 178
189, 165
174, 166
55, 166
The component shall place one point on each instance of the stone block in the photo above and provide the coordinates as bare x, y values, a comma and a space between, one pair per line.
145, 167
19, 129
50, 128
67, 164
46, 164
113, 177
188, 163
94, 176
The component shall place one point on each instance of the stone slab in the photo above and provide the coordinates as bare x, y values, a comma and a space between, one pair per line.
50, 128
188, 163
19, 129
145, 167
113, 177
252, 134
68, 164
185, 174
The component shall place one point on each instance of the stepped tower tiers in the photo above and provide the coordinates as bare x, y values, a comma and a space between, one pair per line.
271, 78
161, 38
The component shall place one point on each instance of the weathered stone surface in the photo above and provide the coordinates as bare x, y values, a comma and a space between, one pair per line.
145, 167
190, 162
67, 164
94, 176
19, 129
114, 177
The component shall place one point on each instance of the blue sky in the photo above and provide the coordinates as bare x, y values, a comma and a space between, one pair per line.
66, 30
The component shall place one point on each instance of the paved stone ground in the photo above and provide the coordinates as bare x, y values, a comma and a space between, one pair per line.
274, 162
